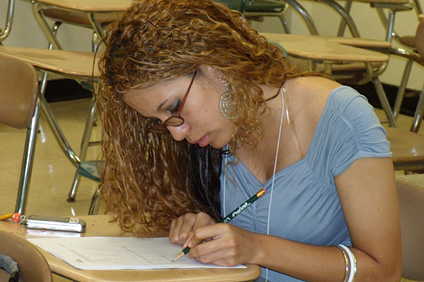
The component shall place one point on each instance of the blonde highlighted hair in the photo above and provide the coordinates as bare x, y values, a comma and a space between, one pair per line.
144, 181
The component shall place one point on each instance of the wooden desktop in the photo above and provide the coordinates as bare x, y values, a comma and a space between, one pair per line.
101, 225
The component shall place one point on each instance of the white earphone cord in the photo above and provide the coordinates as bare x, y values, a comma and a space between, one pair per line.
282, 91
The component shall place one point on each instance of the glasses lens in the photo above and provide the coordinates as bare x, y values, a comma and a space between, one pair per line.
174, 121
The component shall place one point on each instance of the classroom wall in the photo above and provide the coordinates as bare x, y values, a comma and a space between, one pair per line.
26, 32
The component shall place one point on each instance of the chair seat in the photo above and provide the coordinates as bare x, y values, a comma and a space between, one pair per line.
264, 6
407, 148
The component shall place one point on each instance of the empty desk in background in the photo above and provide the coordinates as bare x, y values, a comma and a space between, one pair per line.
332, 52
95, 10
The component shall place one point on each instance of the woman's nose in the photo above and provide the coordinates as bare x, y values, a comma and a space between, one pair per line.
178, 132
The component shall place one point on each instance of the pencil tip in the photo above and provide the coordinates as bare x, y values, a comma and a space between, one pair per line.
180, 254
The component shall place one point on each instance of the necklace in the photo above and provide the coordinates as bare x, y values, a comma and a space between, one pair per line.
282, 91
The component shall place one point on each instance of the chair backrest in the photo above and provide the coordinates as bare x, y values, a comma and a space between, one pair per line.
419, 36
234, 4
33, 266
18, 92
411, 204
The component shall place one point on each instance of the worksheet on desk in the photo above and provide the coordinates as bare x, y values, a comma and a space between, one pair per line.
97, 253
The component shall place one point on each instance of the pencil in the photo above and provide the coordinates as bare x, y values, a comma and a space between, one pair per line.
229, 217
6, 216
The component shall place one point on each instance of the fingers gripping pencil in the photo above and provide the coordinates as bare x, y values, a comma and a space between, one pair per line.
229, 217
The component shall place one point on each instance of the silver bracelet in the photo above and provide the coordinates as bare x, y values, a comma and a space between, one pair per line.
352, 263
346, 261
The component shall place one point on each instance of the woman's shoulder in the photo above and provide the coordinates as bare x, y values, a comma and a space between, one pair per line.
312, 87
308, 96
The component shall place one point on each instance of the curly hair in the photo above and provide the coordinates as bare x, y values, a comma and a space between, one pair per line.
144, 181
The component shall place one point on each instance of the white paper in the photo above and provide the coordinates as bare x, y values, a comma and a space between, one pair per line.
98, 253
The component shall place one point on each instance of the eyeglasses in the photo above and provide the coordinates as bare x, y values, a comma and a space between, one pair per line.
155, 125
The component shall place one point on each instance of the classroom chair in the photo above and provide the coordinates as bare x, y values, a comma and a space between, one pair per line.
75, 65
411, 206
415, 54
408, 145
19, 108
32, 264
353, 72
59, 15
257, 9
44, 14
386, 10
409, 40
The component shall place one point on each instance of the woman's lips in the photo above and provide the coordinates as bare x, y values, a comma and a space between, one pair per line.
202, 142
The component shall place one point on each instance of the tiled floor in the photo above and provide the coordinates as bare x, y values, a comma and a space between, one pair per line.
53, 173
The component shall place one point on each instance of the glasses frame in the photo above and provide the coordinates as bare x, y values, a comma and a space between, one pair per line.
154, 125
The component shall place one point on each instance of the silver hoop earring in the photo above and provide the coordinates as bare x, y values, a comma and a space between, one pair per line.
226, 104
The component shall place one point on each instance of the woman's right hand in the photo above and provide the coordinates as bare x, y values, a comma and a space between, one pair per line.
182, 227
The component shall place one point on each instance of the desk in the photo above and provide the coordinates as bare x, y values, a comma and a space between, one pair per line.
89, 8
99, 225
328, 50
75, 65
95, 14
325, 49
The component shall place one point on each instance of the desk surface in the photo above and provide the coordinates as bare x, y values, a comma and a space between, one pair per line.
318, 48
68, 63
90, 6
99, 225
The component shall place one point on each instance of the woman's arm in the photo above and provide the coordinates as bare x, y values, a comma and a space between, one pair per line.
368, 195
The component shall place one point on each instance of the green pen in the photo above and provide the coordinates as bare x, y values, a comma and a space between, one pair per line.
229, 217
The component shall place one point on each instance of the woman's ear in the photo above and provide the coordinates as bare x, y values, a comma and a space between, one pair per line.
210, 71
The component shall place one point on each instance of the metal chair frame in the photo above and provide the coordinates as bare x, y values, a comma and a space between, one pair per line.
50, 33
31, 125
4, 33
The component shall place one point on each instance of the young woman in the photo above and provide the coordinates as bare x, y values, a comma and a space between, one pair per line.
200, 112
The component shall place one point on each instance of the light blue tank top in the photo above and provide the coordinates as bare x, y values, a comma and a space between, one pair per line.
305, 204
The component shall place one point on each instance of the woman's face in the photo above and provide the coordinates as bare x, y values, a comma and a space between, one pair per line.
203, 122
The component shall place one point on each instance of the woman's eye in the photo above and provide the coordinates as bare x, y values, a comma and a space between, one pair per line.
173, 108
